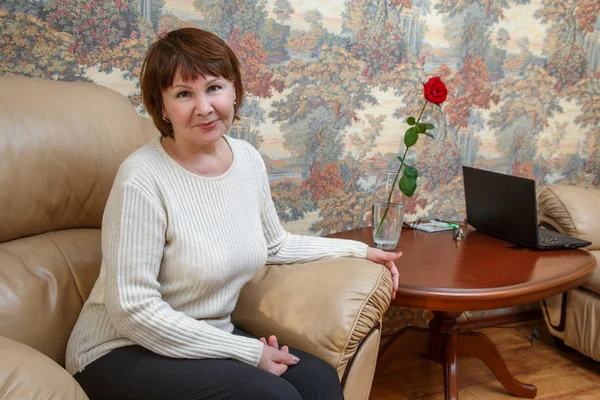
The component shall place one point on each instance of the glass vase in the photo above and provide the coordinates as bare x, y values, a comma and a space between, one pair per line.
387, 218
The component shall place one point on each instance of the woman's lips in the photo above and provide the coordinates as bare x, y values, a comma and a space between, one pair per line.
208, 125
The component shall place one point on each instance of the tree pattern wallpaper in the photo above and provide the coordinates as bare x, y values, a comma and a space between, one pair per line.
330, 83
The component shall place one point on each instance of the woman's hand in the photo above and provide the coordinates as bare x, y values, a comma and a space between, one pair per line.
273, 359
386, 258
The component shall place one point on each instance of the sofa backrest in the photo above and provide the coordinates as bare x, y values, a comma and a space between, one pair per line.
575, 209
61, 144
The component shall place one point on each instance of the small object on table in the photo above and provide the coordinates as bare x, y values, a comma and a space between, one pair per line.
435, 226
458, 234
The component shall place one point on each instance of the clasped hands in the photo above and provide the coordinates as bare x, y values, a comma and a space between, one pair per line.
274, 359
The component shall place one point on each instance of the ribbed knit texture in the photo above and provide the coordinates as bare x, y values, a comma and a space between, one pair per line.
177, 249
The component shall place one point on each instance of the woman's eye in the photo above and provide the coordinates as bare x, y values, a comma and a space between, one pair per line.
183, 94
214, 88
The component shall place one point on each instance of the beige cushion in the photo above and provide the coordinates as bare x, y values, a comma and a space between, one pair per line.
44, 280
575, 209
27, 374
37, 294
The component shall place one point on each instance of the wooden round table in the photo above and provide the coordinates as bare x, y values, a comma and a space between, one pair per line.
479, 273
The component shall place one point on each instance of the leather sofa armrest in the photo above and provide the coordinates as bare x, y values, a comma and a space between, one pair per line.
25, 373
572, 210
324, 307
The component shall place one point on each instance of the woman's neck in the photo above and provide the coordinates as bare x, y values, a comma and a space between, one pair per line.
209, 160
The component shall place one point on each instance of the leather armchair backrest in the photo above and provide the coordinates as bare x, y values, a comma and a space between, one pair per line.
576, 209
61, 144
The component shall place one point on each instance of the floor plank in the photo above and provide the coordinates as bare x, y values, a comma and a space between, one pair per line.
556, 374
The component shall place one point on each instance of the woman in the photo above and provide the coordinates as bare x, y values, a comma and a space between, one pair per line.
188, 222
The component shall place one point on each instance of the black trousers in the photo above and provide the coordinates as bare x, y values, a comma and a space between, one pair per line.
133, 372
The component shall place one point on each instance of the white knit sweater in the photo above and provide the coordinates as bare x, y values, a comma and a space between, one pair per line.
177, 249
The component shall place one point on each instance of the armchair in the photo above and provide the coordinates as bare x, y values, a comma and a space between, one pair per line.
60, 148
572, 317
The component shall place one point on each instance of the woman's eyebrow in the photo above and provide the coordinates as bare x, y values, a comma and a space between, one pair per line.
213, 80
181, 85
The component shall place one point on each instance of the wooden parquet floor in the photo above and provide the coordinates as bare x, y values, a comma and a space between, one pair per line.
557, 374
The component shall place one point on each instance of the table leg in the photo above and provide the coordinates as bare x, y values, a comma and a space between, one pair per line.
444, 342
450, 366
447, 343
478, 345
443, 348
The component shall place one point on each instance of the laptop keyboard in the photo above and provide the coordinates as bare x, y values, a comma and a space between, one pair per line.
550, 240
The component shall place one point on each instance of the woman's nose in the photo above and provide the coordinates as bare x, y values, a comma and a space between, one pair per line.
203, 105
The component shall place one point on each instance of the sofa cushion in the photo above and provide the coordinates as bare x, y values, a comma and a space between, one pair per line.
575, 209
25, 373
44, 280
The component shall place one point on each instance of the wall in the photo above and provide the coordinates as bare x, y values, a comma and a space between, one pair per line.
329, 87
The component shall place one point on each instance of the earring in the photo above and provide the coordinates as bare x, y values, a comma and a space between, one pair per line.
234, 102
167, 120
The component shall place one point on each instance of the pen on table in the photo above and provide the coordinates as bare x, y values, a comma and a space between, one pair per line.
450, 224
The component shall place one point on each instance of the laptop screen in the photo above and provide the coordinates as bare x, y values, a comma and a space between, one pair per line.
501, 205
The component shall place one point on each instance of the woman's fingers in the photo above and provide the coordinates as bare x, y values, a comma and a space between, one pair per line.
390, 256
394, 272
276, 361
395, 276
273, 342
386, 258
381, 257
285, 358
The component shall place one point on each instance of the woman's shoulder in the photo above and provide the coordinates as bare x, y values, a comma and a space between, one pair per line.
141, 165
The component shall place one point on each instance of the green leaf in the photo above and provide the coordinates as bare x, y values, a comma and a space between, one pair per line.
411, 172
429, 134
410, 137
410, 121
421, 128
429, 126
407, 185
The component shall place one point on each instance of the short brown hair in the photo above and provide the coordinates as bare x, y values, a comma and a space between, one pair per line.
192, 52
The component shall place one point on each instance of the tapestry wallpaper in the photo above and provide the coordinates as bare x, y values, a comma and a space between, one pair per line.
330, 84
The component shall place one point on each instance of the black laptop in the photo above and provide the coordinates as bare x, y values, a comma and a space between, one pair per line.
505, 206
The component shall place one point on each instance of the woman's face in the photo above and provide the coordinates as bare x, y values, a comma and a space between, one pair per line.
200, 111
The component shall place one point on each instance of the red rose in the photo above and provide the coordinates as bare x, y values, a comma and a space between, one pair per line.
435, 91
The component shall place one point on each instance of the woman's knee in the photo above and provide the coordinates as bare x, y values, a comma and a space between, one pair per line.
314, 378
274, 388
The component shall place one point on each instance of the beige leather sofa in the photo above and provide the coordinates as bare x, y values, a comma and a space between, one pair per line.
60, 147
573, 318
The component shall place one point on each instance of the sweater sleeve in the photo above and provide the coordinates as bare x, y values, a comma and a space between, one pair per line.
133, 238
286, 248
